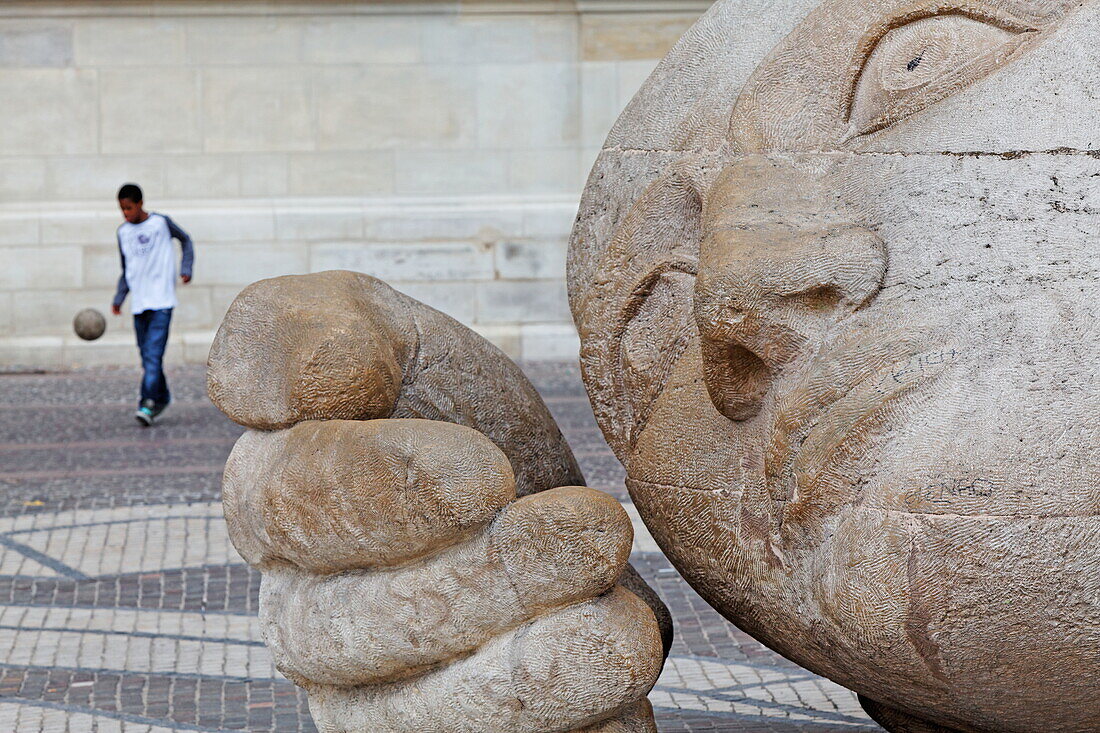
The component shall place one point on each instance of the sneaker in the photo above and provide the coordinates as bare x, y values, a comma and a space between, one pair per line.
146, 414
157, 410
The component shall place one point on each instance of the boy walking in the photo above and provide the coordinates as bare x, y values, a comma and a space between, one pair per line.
149, 276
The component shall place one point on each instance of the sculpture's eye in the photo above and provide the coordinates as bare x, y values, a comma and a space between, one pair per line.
922, 62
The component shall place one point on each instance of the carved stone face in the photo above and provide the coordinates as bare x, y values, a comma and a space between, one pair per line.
848, 345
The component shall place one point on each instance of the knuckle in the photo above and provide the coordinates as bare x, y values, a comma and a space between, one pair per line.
563, 546
335, 496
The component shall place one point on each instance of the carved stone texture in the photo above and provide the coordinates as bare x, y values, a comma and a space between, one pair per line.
836, 278
405, 586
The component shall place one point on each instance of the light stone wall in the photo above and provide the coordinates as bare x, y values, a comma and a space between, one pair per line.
441, 146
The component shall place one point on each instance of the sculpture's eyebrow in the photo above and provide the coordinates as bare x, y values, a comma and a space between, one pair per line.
1003, 19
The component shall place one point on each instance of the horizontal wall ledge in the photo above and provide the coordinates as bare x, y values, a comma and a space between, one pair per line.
182, 8
486, 209
533, 342
496, 264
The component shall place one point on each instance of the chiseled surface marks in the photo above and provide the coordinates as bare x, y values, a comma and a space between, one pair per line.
343, 345
836, 278
405, 586
123, 605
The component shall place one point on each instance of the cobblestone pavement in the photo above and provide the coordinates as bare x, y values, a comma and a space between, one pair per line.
123, 606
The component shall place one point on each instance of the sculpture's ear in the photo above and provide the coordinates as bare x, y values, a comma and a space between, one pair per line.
637, 316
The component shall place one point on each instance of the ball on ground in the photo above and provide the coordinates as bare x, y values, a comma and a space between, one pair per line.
89, 324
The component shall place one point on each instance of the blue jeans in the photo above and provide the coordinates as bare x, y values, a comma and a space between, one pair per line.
152, 338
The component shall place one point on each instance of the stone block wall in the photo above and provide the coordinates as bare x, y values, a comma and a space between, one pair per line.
441, 146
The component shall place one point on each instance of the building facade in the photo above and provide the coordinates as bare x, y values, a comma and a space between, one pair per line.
441, 146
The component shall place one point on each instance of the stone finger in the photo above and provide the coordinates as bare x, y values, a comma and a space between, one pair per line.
634, 718
561, 672
292, 349
636, 584
543, 552
343, 495
342, 345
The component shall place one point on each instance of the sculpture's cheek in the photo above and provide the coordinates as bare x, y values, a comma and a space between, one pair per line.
1011, 616
943, 596
872, 594
704, 535
687, 442
938, 595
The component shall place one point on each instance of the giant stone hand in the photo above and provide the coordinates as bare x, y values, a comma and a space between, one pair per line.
404, 585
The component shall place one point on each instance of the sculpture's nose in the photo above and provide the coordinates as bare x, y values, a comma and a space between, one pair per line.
780, 260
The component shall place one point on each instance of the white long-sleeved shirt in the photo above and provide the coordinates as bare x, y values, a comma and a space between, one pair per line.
148, 266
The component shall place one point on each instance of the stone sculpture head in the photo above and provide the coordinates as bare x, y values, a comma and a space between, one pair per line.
839, 320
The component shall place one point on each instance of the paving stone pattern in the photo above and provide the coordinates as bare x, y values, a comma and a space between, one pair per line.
123, 606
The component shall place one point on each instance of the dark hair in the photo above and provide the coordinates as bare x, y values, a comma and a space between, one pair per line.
131, 192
